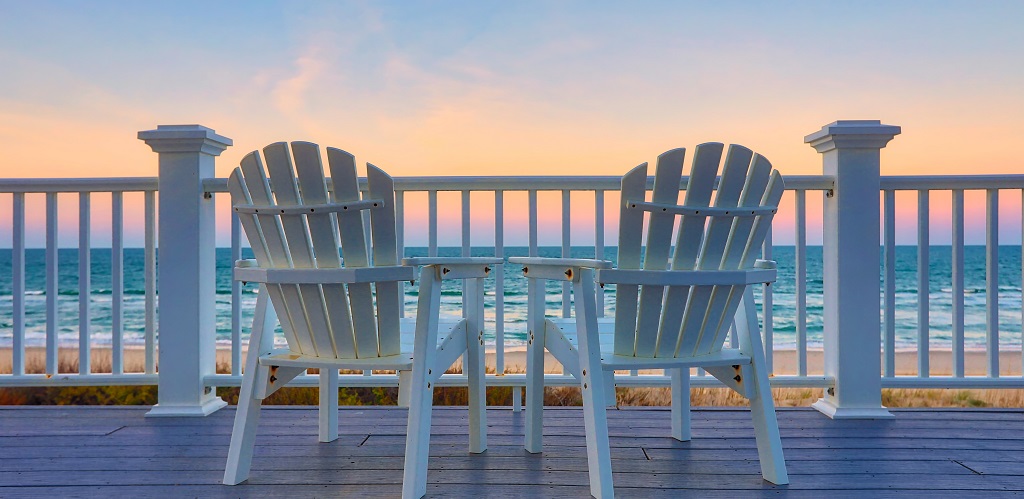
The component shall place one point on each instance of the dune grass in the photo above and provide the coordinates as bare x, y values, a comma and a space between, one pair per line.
496, 396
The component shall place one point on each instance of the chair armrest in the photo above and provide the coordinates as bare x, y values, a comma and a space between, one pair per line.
561, 262
247, 263
443, 260
686, 277
457, 267
559, 269
344, 275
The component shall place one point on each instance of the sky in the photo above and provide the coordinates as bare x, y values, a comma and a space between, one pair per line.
508, 88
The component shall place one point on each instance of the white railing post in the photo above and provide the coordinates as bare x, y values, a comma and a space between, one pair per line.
186, 268
850, 248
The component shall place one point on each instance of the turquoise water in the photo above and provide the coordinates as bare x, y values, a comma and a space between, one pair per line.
515, 295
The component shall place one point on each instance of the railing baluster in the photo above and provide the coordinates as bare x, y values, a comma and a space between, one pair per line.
84, 281
801, 282
117, 282
599, 242
236, 298
18, 283
566, 250
466, 225
150, 278
400, 222
889, 281
992, 281
532, 200
958, 283
499, 283
1022, 285
51, 283
766, 311
400, 234
923, 293
467, 247
432, 223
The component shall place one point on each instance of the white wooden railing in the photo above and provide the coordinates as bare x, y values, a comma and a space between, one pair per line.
84, 189
851, 165
953, 186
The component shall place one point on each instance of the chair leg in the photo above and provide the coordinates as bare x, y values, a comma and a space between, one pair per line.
595, 421
421, 389
474, 367
254, 381
680, 379
766, 432
243, 433
328, 405
417, 443
593, 379
762, 408
534, 437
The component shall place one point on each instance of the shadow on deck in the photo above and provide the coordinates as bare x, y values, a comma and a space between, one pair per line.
117, 452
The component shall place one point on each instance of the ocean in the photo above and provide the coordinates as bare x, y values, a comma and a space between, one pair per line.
939, 295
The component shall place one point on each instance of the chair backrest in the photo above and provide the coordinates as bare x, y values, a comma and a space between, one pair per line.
684, 321
302, 232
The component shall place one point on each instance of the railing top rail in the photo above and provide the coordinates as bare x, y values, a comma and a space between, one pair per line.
536, 183
518, 183
112, 184
950, 182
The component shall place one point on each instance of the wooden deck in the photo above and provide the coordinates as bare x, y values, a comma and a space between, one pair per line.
117, 452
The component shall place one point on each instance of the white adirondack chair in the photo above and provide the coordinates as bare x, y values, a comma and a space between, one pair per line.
673, 308
343, 314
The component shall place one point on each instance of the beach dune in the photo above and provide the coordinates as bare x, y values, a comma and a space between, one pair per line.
785, 361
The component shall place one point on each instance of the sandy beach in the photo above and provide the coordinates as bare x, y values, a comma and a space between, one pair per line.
785, 361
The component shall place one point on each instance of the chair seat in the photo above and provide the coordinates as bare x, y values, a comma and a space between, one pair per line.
400, 362
606, 330
726, 357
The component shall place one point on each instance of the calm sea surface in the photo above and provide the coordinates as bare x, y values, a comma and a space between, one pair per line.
907, 297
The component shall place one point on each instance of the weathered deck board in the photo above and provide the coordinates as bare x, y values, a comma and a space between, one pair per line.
96, 451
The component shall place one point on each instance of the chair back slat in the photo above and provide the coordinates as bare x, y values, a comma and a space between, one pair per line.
752, 195
385, 252
323, 234
631, 230
763, 223
723, 301
288, 303
254, 233
311, 306
734, 175
281, 174
704, 306
353, 250
659, 235
757, 192
699, 187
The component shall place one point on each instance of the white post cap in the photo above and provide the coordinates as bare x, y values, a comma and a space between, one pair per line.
852, 134
185, 138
